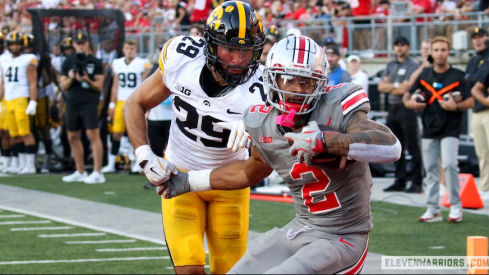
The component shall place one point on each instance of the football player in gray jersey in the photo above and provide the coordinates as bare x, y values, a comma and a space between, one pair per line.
332, 198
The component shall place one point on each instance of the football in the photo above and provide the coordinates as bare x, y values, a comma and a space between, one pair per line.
327, 161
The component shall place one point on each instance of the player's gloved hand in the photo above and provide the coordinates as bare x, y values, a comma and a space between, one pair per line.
177, 184
307, 144
238, 138
156, 169
31, 108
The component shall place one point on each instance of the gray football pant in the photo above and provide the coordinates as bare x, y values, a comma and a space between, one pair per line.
299, 249
445, 149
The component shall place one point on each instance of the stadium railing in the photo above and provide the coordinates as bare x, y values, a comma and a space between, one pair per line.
372, 38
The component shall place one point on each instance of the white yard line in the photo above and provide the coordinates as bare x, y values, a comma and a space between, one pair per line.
70, 235
129, 249
11, 216
171, 267
41, 228
107, 241
85, 260
24, 222
80, 224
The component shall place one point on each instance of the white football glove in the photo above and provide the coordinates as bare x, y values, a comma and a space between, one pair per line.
307, 144
31, 108
238, 138
156, 169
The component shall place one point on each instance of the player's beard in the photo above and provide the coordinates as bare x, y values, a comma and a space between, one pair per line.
15, 54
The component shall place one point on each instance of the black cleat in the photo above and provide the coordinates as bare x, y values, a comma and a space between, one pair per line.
415, 189
395, 188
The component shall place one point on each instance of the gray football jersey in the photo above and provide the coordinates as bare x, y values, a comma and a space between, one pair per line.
334, 201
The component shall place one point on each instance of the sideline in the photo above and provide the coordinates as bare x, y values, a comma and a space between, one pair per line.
138, 224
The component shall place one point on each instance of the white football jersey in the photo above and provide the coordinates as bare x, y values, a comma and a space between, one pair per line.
196, 142
129, 75
14, 71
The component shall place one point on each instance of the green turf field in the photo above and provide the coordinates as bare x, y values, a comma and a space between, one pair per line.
396, 230
27, 251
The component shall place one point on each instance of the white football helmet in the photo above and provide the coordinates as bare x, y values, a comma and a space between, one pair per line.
296, 58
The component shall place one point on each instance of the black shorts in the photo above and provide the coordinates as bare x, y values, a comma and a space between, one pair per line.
78, 117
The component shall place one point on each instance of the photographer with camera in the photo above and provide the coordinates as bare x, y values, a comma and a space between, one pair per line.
446, 97
82, 79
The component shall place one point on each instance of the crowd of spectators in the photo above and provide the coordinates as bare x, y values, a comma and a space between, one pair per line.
141, 15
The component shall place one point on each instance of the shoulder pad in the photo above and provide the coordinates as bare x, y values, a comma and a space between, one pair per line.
180, 50
349, 94
146, 63
31, 59
255, 115
115, 63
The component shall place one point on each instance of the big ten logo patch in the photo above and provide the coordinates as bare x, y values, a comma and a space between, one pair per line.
182, 89
265, 139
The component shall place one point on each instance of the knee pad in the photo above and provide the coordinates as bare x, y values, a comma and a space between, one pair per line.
185, 209
228, 222
320, 254
264, 245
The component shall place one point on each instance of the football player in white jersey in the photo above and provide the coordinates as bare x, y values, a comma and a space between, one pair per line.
129, 71
212, 79
4, 135
41, 126
19, 83
329, 234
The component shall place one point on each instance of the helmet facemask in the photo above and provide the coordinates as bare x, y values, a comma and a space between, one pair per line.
303, 101
216, 64
295, 62
15, 38
18, 52
223, 29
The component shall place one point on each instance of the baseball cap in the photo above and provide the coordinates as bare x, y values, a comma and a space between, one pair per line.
293, 31
80, 37
329, 41
479, 31
333, 50
401, 39
353, 57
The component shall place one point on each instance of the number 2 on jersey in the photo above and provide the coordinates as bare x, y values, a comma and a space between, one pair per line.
316, 204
